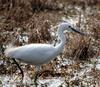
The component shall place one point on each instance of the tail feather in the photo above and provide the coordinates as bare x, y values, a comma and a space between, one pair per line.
9, 49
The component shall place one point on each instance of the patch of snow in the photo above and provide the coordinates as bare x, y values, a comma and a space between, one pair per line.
27, 80
1, 62
52, 82
98, 60
7, 81
98, 66
65, 62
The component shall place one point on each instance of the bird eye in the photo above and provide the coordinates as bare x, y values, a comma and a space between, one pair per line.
69, 26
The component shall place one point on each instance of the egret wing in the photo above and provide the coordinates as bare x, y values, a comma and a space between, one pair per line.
35, 53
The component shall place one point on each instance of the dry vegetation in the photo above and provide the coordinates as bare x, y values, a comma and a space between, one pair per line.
33, 18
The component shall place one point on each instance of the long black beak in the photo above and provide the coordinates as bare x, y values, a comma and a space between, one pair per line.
77, 31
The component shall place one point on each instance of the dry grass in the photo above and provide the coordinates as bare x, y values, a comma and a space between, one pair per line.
34, 18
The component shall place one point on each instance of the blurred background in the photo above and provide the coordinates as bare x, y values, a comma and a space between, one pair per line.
32, 21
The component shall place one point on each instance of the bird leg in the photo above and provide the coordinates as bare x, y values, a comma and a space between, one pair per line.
35, 78
36, 75
18, 67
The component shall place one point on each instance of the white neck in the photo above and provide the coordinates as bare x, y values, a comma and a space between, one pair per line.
62, 38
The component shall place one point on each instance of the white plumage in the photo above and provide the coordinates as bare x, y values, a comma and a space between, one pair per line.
38, 54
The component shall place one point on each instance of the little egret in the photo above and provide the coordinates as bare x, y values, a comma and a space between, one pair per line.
38, 54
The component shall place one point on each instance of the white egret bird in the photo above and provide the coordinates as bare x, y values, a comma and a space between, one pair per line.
38, 54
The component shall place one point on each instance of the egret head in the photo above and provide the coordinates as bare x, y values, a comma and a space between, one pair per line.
69, 27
